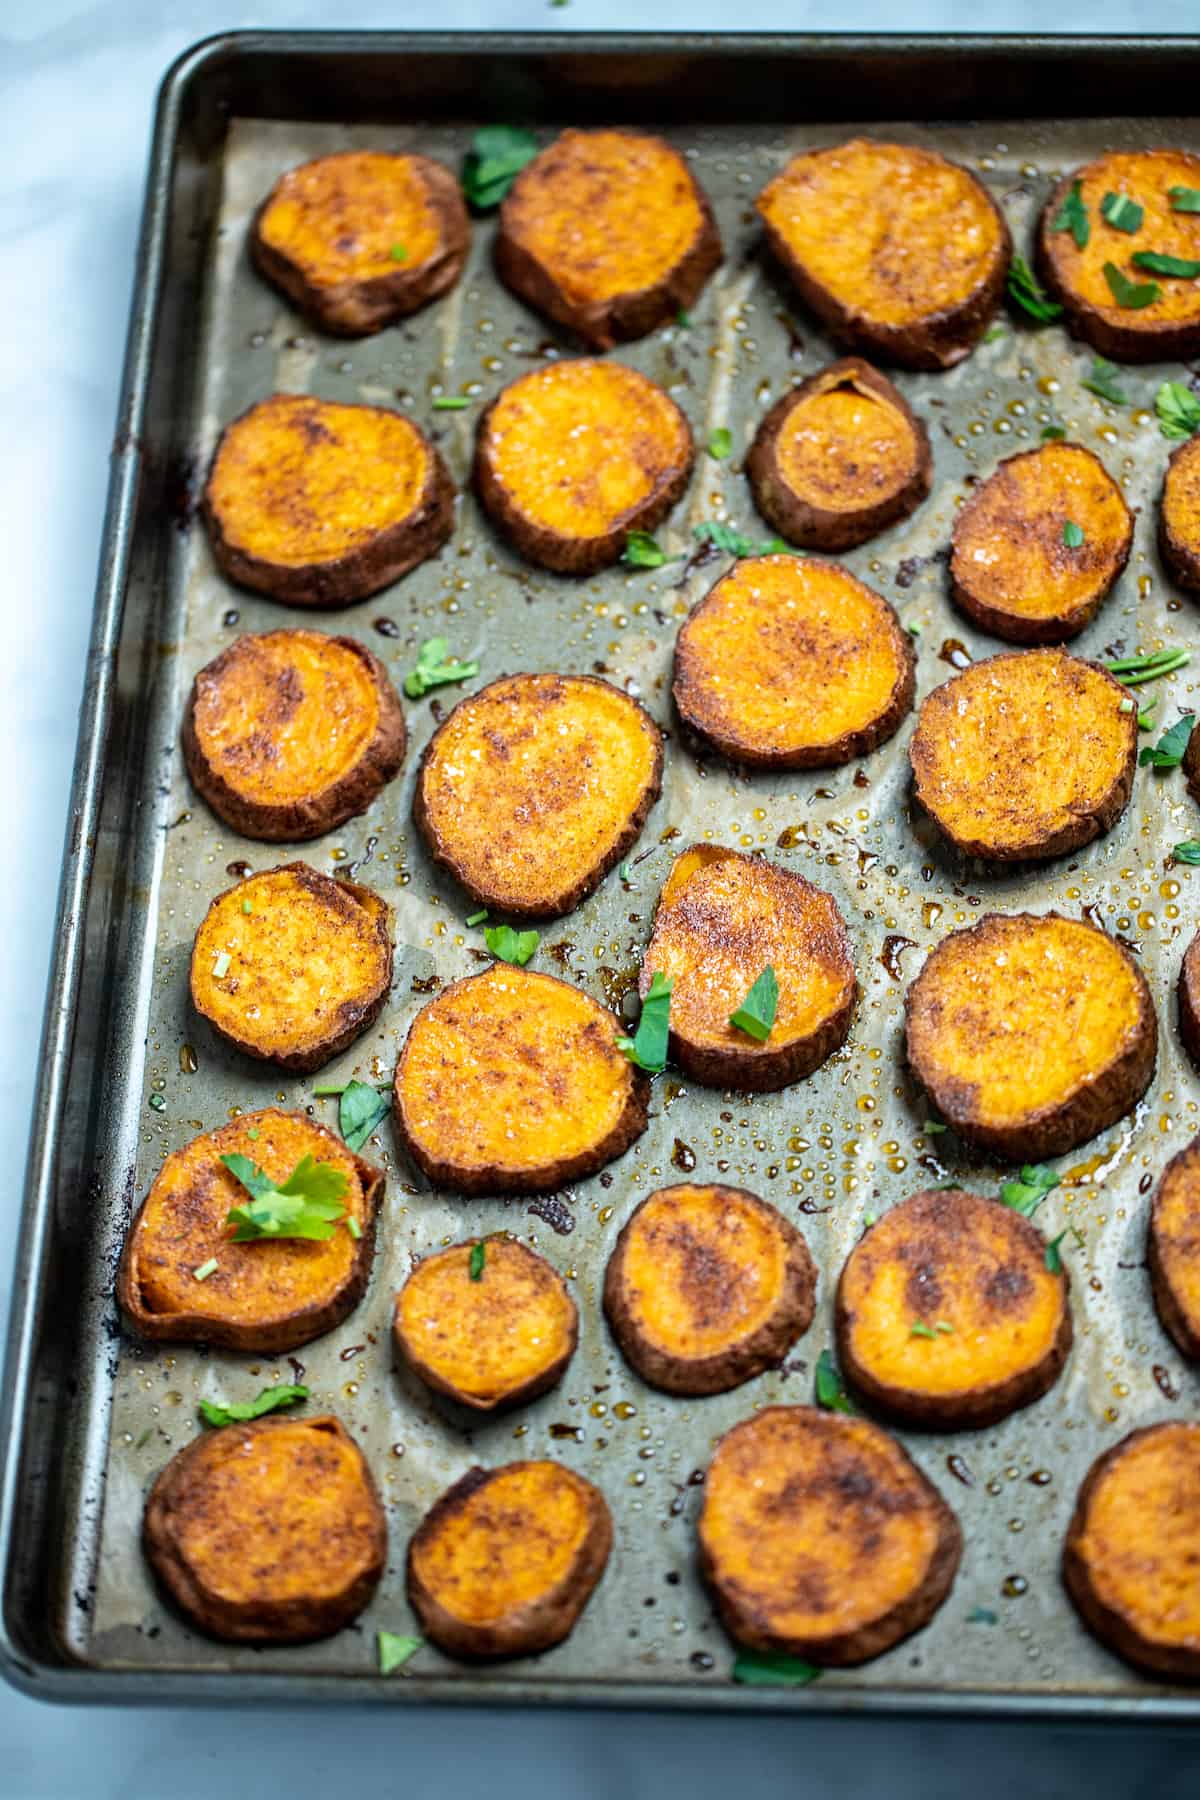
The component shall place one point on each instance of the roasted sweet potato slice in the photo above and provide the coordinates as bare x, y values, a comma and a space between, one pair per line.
1189, 995
504, 1563
1191, 764
707, 1287
268, 1294
224, 1534
573, 457
535, 787
788, 664
362, 238
1170, 325
820, 1538
947, 1314
291, 733
511, 1082
1013, 568
496, 1337
607, 232
839, 458
1025, 755
902, 254
1133, 1545
1179, 515
722, 918
1173, 1247
320, 505
291, 966
1031, 1033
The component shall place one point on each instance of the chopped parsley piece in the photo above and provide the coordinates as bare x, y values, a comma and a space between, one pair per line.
1168, 752
221, 964
271, 1399
1132, 295
1072, 216
1135, 670
246, 907
1178, 410
829, 1390
1182, 268
395, 1650
1027, 1194
1122, 213
478, 1258
398, 253
1052, 1258
643, 552
1184, 199
917, 1329
451, 402
353, 1227
362, 1107
736, 543
1051, 434
435, 669
993, 334
771, 1668
934, 1127
1187, 852
1145, 718
1027, 291
720, 444
497, 155
477, 918
1102, 381
206, 1269
944, 1326
683, 318
623, 874
510, 946
756, 1015
648, 1046
306, 1205
1072, 534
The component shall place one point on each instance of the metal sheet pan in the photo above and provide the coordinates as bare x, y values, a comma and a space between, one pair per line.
93, 1415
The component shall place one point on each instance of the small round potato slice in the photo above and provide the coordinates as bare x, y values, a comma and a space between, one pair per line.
1013, 570
1030, 1033
225, 1536
707, 1287
1169, 327
573, 457
266, 1294
511, 1082
788, 664
947, 1315
839, 458
1173, 1248
1179, 515
292, 966
316, 504
1189, 998
608, 233
289, 734
722, 918
360, 239
497, 1337
902, 254
504, 1563
820, 1537
1133, 1546
535, 787
1025, 755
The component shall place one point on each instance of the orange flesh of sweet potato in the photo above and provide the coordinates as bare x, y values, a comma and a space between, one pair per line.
339, 217
845, 444
1174, 1248
794, 663
535, 787
1145, 176
1179, 519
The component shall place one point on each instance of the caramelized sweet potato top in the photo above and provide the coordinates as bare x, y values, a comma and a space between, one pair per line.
339, 218
845, 445
1140, 1536
1181, 496
1176, 1229
1145, 176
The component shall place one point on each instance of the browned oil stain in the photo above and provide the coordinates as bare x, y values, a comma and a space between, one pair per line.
683, 1156
894, 946
955, 652
1165, 1385
960, 1471
238, 870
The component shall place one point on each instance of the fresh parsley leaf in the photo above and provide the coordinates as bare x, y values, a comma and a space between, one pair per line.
829, 1390
1052, 434
1072, 534
1122, 213
1182, 268
1027, 1194
1187, 852
1027, 291
720, 444
395, 1650
1052, 1259
919, 1329
1132, 295
510, 946
643, 552
770, 1668
451, 403
306, 1205
1184, 199
1072, 216
497, 155
359, 1112
736, 543
1178, 410
648, 1046
1168, 752
271, 1399
683, 318
398, 253
478, 1258
756, 1015
1135, 670
435, 669
1101, 381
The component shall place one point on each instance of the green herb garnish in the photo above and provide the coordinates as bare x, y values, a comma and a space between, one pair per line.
435, 669
1027, 291
246, 907
993, 334
736, 543
756, 1015
917, 1329
683, 318
220, 966
720, 443
1180, 268
353, 1227
944, 1326
1184, 199
478, 1258
1027, 1194
1145, 718
934, 1127
1168, 752
1072, 216
1122, 213
770, 1668
1187, 852
306, 1205
206, 1269
1178, 410
1072, 534
1101, 381
497, 155
398, 253
362, 1107
1052, 1258
451, 402
648, 1046
981, 1615
829, 1392
1051, 434
643, 552
1134, 671
395, 1651
1132, 295
623, 874
477, 918
271, 1399
510, 946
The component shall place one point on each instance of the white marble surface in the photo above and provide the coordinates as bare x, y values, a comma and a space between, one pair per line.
77, 83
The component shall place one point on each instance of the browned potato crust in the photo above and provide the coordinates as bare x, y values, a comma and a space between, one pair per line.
820, 1537
535, 787
707, 1287
1133, 1546
504, 1563
492, 1340
790, 664
1179, 516
1173, 1247
1170, 325
1030, 1033
902, 254
306, 961
320, 505
609, 233
1189, 998
224, 1534
571, 458
1191, 763
290, 734
1028, 754
839, 458
327, 232
972, 1273
1011, 569
268, 1294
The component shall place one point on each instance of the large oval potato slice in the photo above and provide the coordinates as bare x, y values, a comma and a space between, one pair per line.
1173, 1248
707, 1287
224, 1534
504, 1563
535, 787
820, 1537
722, 918
573, 457
1133, 1547
789, 664
1012, 569
1170, 325
902, 254
947, 1315
1189, 992
1179, 515
510, 1082
319, 505
1030, 1034
839, 458
1025, 755
362, 238
497, 1337
291, 733
266, 1294
609, 233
